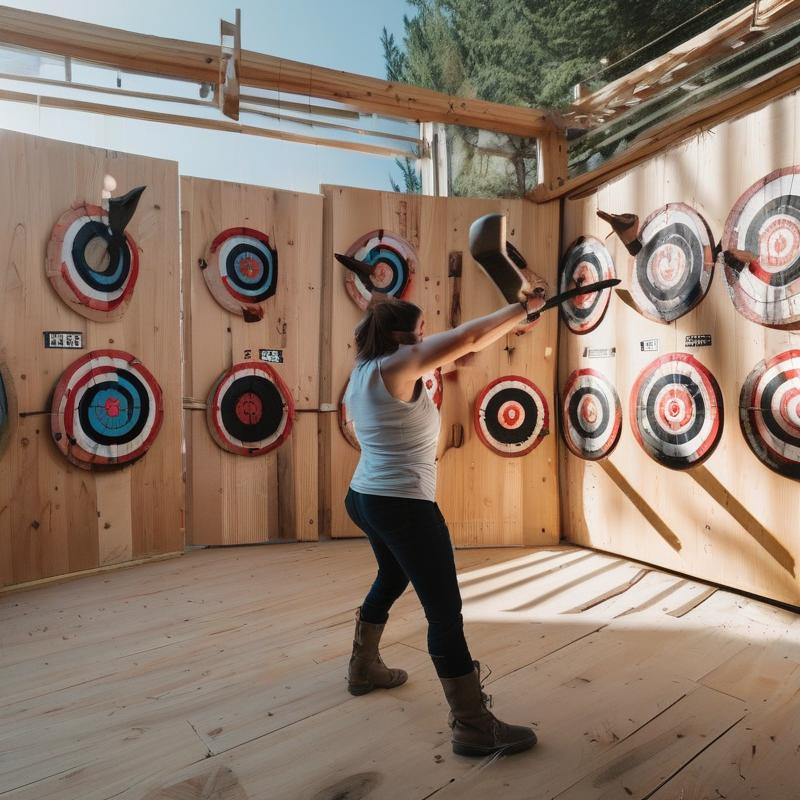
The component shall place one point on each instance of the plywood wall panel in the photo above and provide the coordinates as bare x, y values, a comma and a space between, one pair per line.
731, 520
56, 519
234, 499
487, 499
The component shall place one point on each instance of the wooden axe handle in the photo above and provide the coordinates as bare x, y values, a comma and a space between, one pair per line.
589, 288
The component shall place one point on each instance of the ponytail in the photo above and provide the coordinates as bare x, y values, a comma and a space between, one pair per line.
387, 324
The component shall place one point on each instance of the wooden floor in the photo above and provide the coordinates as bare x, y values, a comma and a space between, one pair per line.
220, 675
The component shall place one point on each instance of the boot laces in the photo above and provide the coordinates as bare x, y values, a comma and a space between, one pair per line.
485, 696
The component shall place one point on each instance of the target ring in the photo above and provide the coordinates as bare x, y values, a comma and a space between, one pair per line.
106, 411
242, 268
587, 260
79, 267
432, 384
250, 409
676, 411
511, 416
591, 415
766, 222
393, 261
673, 270
769, 412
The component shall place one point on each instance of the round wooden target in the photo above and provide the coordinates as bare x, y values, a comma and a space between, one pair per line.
79, 268
511, 416
676, 411
591, 415
766, 222
250, 409
7, 409
106, 410
769, 412
586, 261
432, 383
393, 261
242, 269
673, 270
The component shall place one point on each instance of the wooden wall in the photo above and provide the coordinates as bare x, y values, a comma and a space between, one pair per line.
487, 499
55, 518
731, 520
234, 499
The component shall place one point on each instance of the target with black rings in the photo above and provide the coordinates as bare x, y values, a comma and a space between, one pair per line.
242, 269
769, 412
250, 409
511, 416
673, 270
432, 384
676, 411
106, 411
392, 260
766, 222
591, 415
79, 264
587, 260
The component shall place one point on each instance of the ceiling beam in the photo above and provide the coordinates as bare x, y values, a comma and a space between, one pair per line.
194, 61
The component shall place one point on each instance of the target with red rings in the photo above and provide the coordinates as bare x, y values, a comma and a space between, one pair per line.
769, 412
766, 222
511, 416
106, 410
250, 409
393, 263
591, 415
432, 383
673, 270
676, 411
80, 269
242, 268
586, 261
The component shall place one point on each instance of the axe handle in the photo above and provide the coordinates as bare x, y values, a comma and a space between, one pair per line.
557, 299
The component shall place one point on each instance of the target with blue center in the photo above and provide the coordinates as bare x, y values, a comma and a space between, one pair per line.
242, 269
80, 266
107, 410
392, 262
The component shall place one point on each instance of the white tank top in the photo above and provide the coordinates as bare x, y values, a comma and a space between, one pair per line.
398, 439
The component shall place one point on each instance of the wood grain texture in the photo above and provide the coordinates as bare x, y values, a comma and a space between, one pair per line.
56, 519
234, 499
732, 520
486, 499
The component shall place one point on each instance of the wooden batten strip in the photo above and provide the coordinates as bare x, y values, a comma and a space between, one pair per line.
198, 62
196, 122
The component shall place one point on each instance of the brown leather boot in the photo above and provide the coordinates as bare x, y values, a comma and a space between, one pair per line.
367, 670
476, 731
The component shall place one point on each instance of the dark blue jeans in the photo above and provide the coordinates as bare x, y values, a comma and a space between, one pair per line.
411, 542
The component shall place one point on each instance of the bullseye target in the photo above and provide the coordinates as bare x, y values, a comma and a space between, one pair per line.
766, 222
242, 268
769, 412
676, 411
79, 264
586, 261
673, 270
250, 409
106, 410
392, 260
511, 416
434, 388
591, 415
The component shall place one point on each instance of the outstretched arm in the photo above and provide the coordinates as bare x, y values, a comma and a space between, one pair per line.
410, 363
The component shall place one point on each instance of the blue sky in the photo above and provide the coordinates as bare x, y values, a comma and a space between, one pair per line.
341, 35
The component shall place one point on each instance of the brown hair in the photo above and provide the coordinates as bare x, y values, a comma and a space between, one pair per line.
381, 331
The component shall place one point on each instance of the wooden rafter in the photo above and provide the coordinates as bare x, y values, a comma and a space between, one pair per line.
682, 62
198, 62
